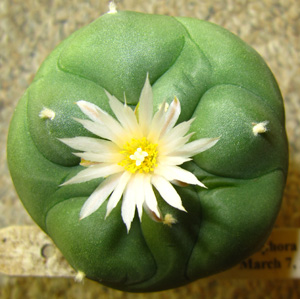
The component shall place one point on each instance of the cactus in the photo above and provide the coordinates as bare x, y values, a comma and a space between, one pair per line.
221, 82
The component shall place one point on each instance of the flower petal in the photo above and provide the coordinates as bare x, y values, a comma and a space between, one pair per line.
157, 124
179, 131
172, 173
173, 145
91, 110
125, 116
106, 157
167, 191
96, 129
173, 160
116, 195
90, 144
99, 116
145, 110
100, 194
150, 199
128, 205
171, 116
139, 193
152, 214
95, 113
94, 172
195, 147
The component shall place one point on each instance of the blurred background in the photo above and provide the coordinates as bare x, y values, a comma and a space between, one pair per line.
30, 30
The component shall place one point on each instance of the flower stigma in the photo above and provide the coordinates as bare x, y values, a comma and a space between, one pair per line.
139, 155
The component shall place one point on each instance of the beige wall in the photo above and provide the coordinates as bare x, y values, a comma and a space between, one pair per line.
30, 29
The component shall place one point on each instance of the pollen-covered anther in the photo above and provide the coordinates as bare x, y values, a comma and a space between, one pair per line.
260, 128
169, 220
47, 113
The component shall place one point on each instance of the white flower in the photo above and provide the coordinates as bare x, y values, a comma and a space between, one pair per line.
134, 153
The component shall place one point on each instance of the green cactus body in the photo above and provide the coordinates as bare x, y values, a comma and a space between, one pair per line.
219, 80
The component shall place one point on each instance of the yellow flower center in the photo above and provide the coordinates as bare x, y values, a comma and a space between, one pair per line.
139, 155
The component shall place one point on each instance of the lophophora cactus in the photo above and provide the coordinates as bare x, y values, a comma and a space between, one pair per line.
221, 82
